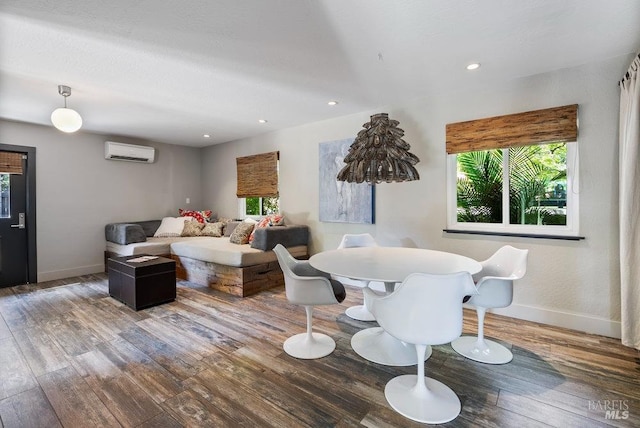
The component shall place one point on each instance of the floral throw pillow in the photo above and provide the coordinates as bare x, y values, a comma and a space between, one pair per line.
276, 220
192, 228
201, 216
212, 229
241, 233
270, 220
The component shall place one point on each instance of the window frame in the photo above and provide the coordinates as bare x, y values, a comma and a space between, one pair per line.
571, 229
242, 208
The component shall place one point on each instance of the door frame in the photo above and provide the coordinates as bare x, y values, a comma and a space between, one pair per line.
32, 254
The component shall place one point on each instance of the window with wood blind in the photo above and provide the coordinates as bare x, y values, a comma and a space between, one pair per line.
257, 190
514, 174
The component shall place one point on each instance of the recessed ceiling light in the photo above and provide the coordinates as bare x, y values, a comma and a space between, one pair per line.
473, 66
332, 103
207, 136
262, 120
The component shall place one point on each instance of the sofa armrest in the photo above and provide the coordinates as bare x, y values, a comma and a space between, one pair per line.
124, 233
128, 233
266, 238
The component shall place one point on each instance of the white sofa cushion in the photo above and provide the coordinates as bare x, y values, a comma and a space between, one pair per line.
153, 246
221, 251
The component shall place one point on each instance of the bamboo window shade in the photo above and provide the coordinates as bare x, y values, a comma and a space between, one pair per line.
10, 163
558, 124
258, 175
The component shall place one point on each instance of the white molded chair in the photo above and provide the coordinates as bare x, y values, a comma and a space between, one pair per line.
358, 312
308, 287
425, 309
495, 290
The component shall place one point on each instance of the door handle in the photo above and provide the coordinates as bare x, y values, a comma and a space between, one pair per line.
20, 224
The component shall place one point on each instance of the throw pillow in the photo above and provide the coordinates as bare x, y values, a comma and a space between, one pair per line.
212, 229
192, 228
201, 216
240, 234
264, 222
270, 220
276, 220
170, 227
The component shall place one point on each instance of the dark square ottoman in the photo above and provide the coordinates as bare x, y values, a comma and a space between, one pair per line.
142, 284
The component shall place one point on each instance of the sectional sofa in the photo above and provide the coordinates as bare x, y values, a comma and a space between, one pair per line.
216, 262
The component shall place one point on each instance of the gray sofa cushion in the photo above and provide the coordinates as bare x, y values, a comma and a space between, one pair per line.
149, 226
129, 233
266, 238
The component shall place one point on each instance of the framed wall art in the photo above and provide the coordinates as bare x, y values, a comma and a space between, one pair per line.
342, 202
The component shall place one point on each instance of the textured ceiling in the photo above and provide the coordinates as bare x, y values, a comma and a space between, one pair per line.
171, 71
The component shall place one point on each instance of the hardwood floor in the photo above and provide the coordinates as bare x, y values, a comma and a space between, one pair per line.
72, 356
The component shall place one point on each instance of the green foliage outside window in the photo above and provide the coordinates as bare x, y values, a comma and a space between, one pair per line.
4, 182
270, 206
537, 185
252, 206
4, 195
262, 206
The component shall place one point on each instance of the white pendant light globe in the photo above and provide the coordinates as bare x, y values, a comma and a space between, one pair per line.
63, 118
66, 119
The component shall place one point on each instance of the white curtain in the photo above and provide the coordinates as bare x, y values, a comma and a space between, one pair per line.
629, 165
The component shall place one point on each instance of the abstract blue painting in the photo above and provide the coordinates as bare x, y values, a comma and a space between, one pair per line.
342, 202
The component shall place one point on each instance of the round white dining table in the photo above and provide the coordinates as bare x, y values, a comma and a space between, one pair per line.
389, 265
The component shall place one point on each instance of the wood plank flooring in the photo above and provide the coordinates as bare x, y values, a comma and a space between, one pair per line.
71, 356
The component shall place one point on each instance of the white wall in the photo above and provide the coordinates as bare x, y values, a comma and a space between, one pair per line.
78, 191
571, 284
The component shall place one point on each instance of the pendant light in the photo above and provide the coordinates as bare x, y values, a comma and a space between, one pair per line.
379, 154
63, 118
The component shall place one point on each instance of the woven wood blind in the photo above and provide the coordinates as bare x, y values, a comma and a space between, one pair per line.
10, 163
258, 175
558, 124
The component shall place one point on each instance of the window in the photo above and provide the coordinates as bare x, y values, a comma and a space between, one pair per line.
5, 211
514, 174
258, 185
526, 189
258, 207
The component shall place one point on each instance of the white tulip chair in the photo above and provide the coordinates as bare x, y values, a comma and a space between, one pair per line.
495, 290
425, 309
358, 312
308, 287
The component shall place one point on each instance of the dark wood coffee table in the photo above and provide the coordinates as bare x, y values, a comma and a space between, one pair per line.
142, 284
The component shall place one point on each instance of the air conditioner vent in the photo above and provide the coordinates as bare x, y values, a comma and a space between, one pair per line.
128, 152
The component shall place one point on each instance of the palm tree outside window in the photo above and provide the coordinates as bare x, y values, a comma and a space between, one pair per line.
537, 185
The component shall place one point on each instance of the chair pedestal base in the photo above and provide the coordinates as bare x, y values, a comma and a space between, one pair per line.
436, 404
306, 348
376, 345
360, 313
486, 351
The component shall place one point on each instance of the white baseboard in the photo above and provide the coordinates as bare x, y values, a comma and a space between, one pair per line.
574, 321
52, 275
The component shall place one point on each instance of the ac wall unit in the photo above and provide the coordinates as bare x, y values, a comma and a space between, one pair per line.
128, 152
